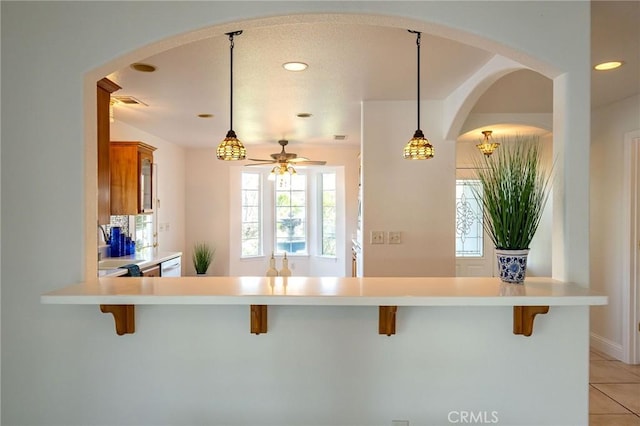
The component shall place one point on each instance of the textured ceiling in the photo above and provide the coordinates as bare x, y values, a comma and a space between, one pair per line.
348, 63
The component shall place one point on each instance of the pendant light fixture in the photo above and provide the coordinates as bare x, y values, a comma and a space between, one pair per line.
487, 146
231, 148
418, 148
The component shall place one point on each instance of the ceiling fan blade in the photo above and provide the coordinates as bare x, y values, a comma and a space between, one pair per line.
261, 163
298, 159
263, 160
310, 163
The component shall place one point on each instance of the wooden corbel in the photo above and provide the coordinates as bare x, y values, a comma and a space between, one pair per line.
387, 320
523, 317
258, 319
124, 316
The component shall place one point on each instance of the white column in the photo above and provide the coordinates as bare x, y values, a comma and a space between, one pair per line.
571, 144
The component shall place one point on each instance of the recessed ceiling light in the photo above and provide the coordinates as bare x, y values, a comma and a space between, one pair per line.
205, 115
295, 66
304, 114
139, 66
605, 66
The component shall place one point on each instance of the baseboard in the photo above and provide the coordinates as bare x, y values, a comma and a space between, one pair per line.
607, 347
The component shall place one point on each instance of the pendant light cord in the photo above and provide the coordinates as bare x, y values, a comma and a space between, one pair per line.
231, 81
418, 34
231, 44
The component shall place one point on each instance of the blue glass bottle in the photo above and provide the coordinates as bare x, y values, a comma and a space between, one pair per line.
115, 241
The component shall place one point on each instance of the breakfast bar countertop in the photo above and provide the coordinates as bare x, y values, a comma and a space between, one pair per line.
328, 291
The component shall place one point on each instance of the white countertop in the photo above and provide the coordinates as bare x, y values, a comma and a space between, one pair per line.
150, 258
361, 291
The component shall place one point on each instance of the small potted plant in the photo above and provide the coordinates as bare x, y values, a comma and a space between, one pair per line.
202, 257
514, 191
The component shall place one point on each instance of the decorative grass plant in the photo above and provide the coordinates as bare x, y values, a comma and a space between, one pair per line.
202, 257
515, 189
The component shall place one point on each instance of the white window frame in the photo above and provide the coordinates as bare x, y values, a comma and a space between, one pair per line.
260, 214
321, 190
313, 264
307, 234
482, 236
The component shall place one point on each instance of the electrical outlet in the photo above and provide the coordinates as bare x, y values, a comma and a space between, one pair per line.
395, 237
377, 237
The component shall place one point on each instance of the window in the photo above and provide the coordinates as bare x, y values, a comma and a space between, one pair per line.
469, 217
144, 231
300, 214
328, 231
291, 213
251, 214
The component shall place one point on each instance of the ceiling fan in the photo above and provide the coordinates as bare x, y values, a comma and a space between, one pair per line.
284, 160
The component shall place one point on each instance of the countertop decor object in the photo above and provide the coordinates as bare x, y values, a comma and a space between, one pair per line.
202, 257
272, 271
514, 190
285, 271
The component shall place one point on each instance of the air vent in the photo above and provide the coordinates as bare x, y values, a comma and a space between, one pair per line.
128, 100
339, 137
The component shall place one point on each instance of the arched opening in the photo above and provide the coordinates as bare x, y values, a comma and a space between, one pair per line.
278, 30
518, 103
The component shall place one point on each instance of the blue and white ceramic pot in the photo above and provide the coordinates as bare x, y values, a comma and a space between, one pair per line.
512, 265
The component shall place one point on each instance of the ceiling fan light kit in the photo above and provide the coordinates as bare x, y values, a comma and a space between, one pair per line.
418, 148
281, 170
231, 149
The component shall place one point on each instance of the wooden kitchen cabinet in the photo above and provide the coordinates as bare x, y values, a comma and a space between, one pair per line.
131, 178
153, 271
104, 89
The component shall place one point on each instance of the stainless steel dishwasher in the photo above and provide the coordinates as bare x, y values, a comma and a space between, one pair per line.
171, 267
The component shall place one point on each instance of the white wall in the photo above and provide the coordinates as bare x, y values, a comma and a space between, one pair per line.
170, 161
207, 215
416, 198
199, 365
609, 125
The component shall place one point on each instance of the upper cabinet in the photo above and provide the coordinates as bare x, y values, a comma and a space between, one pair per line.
131, 178
105, 88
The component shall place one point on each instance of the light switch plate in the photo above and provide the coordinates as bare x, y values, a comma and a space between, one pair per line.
377, 237
395, 237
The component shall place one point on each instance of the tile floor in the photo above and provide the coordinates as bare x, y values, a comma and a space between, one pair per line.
614, 392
